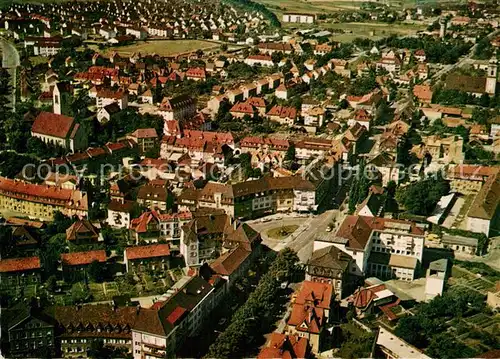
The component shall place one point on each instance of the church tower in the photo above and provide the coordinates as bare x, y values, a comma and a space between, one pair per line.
491, 80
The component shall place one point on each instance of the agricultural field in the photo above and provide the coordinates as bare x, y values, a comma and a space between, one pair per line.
326, 6
164, 48
374, 31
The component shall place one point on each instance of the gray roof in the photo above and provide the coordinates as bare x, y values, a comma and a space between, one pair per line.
439, 265
459, 240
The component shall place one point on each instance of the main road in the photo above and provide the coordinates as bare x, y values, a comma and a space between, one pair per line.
10, 61
302, 240
463, 61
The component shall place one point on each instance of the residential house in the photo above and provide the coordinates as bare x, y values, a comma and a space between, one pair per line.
41, 201
75, 265
83, 232
283, 114
330, 265
179, 108
311, 313
106, 113
281, 346
141, 259
165, 326
106, 97
19, 272
379, 246
146, 139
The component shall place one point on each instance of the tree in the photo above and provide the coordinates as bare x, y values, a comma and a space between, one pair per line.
51, 253
79, 293
51, 283
444, 346
223, 47
257, 315
290, 153
5, 93
421, 197
95, 272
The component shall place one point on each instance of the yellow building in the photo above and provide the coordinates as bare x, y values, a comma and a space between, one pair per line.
41, 201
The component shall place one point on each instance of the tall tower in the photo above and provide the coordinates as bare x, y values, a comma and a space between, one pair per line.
442, 28
491, 80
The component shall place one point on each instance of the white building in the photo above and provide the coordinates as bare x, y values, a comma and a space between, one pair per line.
393, 347
299, 18
180, 313
379, 246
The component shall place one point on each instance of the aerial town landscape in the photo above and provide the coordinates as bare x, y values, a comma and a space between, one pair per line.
250, 179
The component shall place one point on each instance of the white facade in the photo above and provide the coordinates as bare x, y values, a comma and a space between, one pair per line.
478, 225
304, 201
299, 18
118, 219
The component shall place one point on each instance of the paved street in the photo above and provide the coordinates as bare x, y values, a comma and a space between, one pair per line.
302, 239
463, 61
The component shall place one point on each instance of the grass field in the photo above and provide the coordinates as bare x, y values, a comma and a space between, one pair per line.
281, 232
165, 48
374, 31
327, 6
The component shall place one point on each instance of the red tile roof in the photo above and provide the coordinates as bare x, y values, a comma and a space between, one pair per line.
81, 258
47, 123
230, 261
283, 112
19, 264
285, 347
196, 72
315, 293
243, 107
43, 194
357, 229
145, 133
151, 251
175, 315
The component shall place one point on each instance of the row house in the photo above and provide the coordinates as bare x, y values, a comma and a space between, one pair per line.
77, 327
75, 265
151, 258
284, 115
106, 97
269, 48
41, 201
164, 327
262, 60
206, 237
263, 196
20, 272
153, 226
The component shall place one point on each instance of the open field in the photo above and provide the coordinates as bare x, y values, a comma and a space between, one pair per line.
327, 6
379, 30
164, 47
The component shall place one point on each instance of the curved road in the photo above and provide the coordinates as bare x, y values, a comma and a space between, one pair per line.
10, 61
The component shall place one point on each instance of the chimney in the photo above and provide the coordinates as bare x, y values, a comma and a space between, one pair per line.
137, 309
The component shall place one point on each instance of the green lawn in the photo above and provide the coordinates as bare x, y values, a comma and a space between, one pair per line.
281, 232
